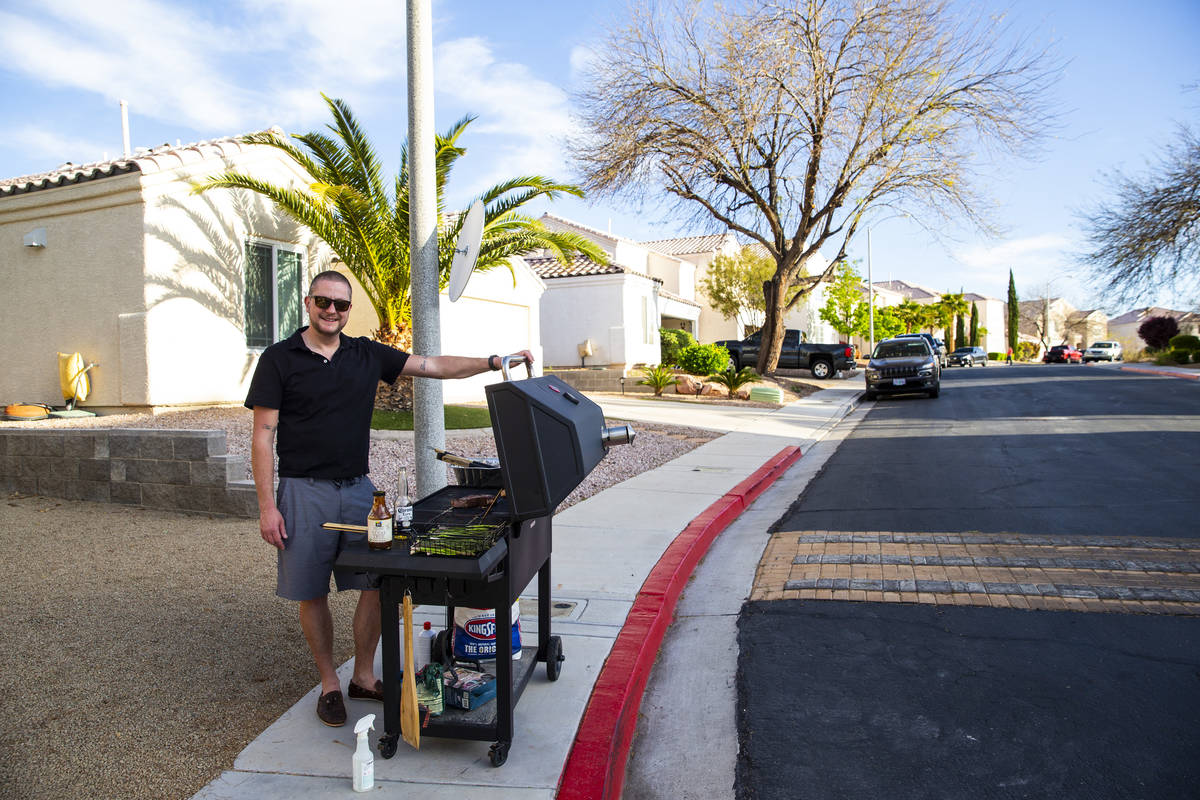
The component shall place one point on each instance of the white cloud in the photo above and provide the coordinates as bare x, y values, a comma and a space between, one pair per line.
1042, 249
254, 63
45, 144
530, 114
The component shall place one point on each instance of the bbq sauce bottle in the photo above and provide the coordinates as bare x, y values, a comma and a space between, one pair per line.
379, 525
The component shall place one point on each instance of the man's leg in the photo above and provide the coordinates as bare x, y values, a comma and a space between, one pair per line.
317, 624
366, 638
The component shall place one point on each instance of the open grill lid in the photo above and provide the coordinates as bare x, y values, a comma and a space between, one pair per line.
548, 437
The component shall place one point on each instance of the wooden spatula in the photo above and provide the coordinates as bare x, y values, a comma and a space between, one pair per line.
410, 718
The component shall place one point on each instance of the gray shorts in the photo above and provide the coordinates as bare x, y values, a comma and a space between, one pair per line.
309, 551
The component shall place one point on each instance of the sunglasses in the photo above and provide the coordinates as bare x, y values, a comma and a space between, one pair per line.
342, 306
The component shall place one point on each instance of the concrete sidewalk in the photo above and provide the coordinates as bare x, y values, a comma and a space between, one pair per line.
604, 549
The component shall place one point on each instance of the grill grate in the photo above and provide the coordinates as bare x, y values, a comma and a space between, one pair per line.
898, 372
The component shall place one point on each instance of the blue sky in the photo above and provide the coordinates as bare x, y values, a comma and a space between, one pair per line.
199, 70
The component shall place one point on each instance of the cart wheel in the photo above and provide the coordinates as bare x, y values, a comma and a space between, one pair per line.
554, 657
441, 648
498, 753
387, 746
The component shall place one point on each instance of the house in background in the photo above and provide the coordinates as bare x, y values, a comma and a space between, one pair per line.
175, 295
993, 318
1124, 328
1051, 321
172, 294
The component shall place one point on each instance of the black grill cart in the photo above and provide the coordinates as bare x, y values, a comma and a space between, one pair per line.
548, 438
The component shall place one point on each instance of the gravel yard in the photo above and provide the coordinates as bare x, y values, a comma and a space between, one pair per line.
144, 650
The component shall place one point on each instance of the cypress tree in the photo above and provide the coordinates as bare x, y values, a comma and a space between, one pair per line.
1014, 312
960, 331
974, 325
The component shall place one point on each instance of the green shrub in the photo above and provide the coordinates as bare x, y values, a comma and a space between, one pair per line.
1025, 351
703, 359
995, 356
1164, 360
657, 378
1185, 341
1181, 356
671, 341
734, 380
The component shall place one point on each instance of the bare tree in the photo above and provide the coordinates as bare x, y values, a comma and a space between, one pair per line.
1148, 235
788, 122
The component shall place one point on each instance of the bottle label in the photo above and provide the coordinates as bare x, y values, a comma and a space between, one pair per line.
404, 515
379, 531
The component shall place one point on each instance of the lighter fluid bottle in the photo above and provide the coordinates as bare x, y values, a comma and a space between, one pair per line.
379, 525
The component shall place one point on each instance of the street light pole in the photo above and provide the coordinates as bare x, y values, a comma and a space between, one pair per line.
870, 295
429, 431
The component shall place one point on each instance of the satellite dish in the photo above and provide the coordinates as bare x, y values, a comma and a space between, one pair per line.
466, 250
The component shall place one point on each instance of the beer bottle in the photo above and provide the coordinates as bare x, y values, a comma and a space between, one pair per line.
404, 508
379, 525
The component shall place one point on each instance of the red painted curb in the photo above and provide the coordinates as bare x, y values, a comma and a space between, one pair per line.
1170, 374
595, 766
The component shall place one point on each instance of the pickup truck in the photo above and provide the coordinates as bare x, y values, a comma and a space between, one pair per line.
822, 360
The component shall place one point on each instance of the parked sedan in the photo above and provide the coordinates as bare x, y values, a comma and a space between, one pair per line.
968, 357
1062, 354
1103, 351
903, 365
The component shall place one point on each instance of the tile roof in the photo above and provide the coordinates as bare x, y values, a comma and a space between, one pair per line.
678, 299
144, 160
1149, 311
578, 267
687, 244
909, 290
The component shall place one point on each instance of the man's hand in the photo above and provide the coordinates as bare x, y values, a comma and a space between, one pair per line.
525, 354
270, 525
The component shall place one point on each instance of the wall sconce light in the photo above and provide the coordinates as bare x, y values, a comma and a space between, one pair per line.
35, 238
585, 350
622, 384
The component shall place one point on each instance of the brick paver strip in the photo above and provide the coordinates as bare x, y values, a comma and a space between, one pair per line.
1121, 574
1182, 567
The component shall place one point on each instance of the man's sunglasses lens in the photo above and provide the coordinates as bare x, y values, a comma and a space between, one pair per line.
323, 303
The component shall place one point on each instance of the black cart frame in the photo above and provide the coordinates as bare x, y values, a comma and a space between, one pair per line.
491, 580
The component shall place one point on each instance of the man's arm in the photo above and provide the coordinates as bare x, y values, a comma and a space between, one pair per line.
451, 366
262, 464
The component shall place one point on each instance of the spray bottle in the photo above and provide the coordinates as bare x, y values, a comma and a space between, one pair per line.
364, 759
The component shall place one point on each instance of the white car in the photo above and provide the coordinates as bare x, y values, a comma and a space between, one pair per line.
1103, 351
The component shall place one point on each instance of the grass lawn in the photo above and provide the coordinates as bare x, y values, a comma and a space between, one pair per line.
457, 418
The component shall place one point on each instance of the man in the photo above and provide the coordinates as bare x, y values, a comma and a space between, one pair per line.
312, 395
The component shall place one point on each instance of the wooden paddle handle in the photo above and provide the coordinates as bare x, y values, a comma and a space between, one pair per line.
339, 526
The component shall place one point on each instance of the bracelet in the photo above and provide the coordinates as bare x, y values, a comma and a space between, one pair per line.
493, 363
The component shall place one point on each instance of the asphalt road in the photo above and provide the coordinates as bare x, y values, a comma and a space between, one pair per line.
1057, 449
889, 700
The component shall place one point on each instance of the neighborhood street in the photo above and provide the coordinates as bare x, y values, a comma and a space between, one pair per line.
1042, 516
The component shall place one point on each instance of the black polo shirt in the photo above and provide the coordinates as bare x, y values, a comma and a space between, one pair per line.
324, 405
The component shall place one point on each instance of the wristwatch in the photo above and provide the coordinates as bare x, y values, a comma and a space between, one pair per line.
493, 362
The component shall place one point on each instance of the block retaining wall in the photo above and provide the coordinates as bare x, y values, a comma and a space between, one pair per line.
181, 470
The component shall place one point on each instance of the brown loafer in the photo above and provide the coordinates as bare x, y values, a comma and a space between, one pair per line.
357, 692
331, 710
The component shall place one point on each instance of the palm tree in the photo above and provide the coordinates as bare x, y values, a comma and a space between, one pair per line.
911, 314
348, 205
953, 305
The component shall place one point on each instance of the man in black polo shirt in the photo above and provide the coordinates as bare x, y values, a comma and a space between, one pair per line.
312, 396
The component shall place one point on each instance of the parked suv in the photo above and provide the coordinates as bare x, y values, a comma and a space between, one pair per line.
1062, 354
936, 345
1103, 351
968, 357
903, 364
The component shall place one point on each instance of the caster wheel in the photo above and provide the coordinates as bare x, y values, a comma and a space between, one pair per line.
498, 754
441, 648
387, 746
554, 658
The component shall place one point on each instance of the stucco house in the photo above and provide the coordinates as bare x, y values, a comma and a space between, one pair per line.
1124, 328
1051, 321
174, 295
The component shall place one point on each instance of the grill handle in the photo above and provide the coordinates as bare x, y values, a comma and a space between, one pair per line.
617, 434
506, 360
